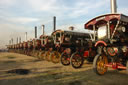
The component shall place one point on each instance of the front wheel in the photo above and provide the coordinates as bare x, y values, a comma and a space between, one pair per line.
65, 59
99, 64
76, 60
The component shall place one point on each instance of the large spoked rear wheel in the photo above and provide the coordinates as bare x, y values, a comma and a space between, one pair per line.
55, 57
65, 59
99, 64
47, 56
76, 60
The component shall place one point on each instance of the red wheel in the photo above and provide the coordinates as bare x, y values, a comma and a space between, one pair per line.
65, 59
77, 60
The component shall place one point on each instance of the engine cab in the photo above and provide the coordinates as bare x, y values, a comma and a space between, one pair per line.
112, 39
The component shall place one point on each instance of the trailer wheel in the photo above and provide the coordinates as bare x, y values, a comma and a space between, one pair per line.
77, 60
99, 64
47, 55
55, 57
127, 67
65, 59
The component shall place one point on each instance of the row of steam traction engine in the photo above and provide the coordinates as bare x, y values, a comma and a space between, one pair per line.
106, 45
64, 46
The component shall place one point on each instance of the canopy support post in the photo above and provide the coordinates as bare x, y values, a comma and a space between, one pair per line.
94, 29
108, 29
115, 29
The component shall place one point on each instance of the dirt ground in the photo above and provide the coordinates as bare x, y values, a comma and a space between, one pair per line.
36, 72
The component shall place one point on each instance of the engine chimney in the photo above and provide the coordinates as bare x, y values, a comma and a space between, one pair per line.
54, 23
35, 31
113, 6
17, 40
25, 36
43, 27
9, 42
12, 41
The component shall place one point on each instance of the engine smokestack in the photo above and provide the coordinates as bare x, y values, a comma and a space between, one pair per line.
43, 27
35, 31
113, 6
25, 36
54, 23
17, 40
9, 42
12, 41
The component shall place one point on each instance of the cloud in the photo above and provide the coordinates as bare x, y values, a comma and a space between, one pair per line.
6, 3
19, 20
123, 11
19, 16
9, 31
42, 5
23, 20
85, 8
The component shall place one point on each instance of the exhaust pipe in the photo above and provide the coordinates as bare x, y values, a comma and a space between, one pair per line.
113, 6
17, 40
9, 42
25, 36
35, 31
12, 41
43, 27
54, 23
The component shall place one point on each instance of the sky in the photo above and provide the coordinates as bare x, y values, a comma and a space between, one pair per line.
20, 16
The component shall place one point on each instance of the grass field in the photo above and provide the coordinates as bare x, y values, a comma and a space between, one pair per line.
46, 73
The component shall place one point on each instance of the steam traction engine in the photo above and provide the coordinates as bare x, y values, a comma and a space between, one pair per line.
47, 46
17, 47
9, 48
42, 49
14, 47
30, 47
25, 47
71, 43
21, 48
112, 43
36, 47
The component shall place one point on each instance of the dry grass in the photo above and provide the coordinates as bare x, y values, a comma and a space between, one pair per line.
47, 73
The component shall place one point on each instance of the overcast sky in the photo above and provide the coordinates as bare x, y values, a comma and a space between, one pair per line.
20, 16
